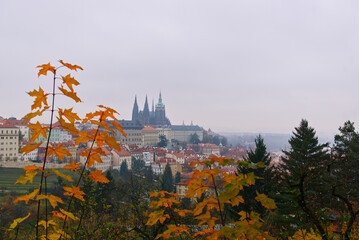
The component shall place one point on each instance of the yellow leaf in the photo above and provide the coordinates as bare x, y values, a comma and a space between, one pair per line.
69, 81
28, 197
265, 201
29, 177
52, 199
60, 174
37, 130
49, 222
68, 214
29, 148
156, 216
70, 66
17, 221
40, 98
207, 219
59, 151
45, 68
70, 94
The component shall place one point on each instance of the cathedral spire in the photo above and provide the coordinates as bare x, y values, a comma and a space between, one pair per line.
135, 110
160, 103
146, 113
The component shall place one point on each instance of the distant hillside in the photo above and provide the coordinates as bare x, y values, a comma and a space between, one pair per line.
274, 141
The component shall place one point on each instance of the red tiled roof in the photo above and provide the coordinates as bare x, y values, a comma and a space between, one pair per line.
149, 129
7, 126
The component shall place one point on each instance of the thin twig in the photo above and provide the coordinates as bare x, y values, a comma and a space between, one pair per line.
47, 147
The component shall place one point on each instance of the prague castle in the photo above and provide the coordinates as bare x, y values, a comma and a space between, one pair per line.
156, 117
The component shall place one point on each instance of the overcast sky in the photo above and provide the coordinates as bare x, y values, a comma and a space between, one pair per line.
246, 66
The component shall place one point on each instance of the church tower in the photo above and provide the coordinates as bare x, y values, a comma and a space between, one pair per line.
135, 111
146, 113
160, 113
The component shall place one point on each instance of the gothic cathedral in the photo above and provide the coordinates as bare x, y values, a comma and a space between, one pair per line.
155, 117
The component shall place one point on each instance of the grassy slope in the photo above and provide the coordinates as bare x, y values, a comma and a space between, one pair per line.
8, 177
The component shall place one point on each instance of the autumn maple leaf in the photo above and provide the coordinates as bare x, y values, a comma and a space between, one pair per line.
40, 98
70, 94
70, 66
119, 128
27, 197
52, 199
60, 174
59, 151
69, 81
31, 115
29, 148
70, 127
69, 114
32, 168
45, 68
37, 130
98, 177
75, 191
72, 166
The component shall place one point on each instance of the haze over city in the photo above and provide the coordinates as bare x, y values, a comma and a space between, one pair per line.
232, 66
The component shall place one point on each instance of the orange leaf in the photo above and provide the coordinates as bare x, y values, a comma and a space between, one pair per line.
109, 112
29, 148
111, 142
69, 94
59, 151
83, 137
98, 177
58, 214
70, 127
102, 124
93, 157
32, 168
27, 197
119, 128
69, 81
31, 115
75, 191
70, 66
45, 68
72, 166
37, 130
69, 114
40, 98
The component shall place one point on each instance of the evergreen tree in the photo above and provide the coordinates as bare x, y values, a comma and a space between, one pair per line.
194, 138
344, 174
167, 179
124, 173
302, 180
177, 177
259, 154
163, 141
